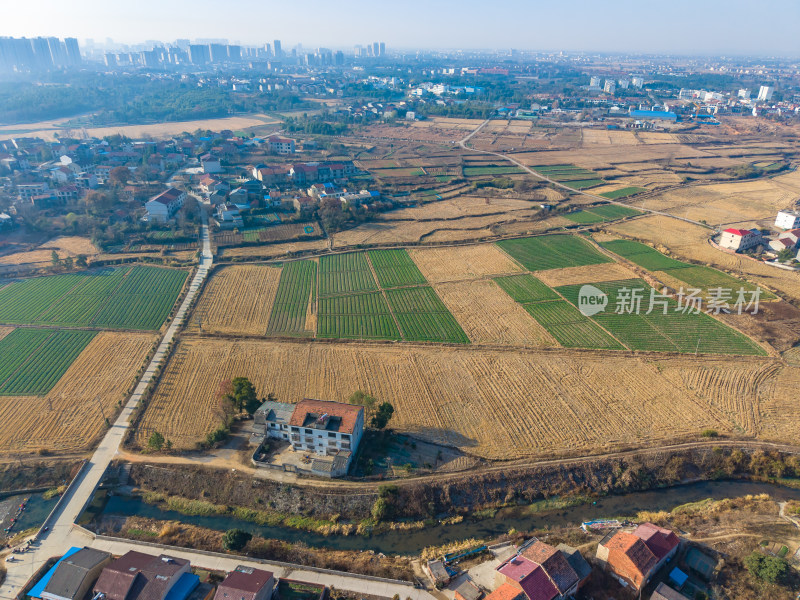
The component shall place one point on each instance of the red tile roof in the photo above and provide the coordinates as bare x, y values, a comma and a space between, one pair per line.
629, 557
660, 541
537, 585
507, 591
310, 408
243, 584
554, 563
740, 232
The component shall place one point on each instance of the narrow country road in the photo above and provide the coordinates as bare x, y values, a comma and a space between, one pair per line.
463, 143
61, 535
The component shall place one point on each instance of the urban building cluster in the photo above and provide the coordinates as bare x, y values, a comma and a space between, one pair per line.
38, 54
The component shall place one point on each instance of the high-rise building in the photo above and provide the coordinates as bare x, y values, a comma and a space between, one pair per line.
382, 49
376, 49
609, 87
58, 52
199, 54
234, 53
276, 46
765, 93
744, 94
637, 82
594, 82
73, 51
219, 53
338, 58
111, 59
623, 84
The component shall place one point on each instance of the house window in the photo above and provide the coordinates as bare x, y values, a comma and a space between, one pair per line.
331, 434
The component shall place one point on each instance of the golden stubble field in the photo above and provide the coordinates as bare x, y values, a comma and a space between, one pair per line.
64, 246
237, 299
462, 262
497, 404
70, 417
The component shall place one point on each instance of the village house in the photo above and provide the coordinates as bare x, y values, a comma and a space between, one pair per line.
163, 207
139, 576
210, 184
787, 219
280, 145
740, 240
246, 583
228, 216
75, 575
541, 572
787, 240
210, 163
664, 592
634, 557
331, 431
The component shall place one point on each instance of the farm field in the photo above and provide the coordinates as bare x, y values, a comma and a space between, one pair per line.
552, 252
356, 316
424, 317
480, 400
394, 268
344, 274
585, 274
599, 214
42, 255
467, 262
666, 328
462, 206
623, 192
237, 299
492, 170
700, 277
69, 417
122, 298
488, 316
35, 359
295, 287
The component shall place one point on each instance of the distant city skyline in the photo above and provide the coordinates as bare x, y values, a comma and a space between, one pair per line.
737, 27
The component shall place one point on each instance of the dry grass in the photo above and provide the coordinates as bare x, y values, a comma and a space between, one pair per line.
70, 417
274, 250
464, 206
4, 331
489, 316
686, 240
237, 299
491, 403
64, 246
585, 274
463, 262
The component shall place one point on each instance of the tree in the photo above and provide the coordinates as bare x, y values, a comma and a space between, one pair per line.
80, 262
768, 568
244, 393
68, 263
119, 176
55, 259
156, 441
362, 399
382, 416
235, 539
225, 401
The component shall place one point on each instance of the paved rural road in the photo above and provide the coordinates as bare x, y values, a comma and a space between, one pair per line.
463, 143
61, 535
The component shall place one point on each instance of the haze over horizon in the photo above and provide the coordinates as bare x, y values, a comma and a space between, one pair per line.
682, 27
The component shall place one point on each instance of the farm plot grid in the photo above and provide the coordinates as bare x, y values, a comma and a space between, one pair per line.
424, 317
602, 213
666, 328
35, 359
563, 321
700, 277
356, 316
394, 268
623, 192
553, 252
572, 176
297, 281
137, 298
345, 274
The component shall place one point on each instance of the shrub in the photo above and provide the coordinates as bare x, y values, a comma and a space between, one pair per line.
767, 568
235, 539
710, 433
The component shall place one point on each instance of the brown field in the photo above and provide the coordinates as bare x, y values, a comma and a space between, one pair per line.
237, 299
489, 316
4, 331
686, 240
155, 130
585, 274
463, 262
69, 417
463, 206
65, 246
495, 404
270, 251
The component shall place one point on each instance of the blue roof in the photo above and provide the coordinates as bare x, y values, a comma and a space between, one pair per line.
183, 587
36, 591
653, 114
678, 576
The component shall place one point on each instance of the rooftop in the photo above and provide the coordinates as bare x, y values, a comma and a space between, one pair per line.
327, 415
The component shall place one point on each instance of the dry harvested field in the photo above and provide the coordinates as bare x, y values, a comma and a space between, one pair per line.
489, 316
4, 331
477, 399
739, 202
781, 411
463, 206
65, 246
585, 274
155, 130
443, 132
462, 262
689, 241
69, 417
269, 251
237, 299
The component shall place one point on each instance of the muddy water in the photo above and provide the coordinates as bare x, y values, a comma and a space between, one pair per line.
520, 518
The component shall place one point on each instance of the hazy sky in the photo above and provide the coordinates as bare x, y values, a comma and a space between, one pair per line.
679, 26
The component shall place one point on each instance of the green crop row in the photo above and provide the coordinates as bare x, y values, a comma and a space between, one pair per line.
553, 252
289, 310
424, 317
395, 268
